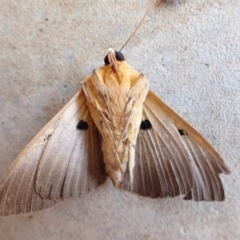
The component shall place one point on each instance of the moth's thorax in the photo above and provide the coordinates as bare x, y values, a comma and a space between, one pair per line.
125, 75
115, 101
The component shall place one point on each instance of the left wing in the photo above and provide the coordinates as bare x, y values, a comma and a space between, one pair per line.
172, 158
60, 162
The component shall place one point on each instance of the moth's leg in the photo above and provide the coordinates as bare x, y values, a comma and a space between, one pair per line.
96, 80
112, 162
97, 94
133, 110
99, 85
136, 96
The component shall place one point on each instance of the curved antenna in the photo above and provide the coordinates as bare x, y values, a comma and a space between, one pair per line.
148, 9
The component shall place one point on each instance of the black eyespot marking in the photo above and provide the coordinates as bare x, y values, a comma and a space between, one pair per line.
106, 61
82, 125
119, 56
47, 137
145, 125
182, 132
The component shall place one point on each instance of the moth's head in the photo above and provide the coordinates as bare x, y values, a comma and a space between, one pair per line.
112, 58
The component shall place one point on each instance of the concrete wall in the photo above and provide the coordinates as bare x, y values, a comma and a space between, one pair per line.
191, 54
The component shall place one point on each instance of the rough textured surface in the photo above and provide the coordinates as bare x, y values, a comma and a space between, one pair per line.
191, 53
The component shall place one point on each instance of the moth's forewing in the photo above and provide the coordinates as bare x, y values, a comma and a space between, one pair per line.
172, 158
60, 162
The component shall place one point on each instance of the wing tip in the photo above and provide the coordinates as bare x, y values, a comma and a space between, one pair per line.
219, 197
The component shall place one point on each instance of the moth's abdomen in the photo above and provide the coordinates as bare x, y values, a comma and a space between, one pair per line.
113, 161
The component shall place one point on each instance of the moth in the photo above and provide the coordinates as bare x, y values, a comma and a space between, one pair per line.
114, 126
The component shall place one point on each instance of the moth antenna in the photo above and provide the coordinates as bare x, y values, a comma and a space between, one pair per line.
145, 14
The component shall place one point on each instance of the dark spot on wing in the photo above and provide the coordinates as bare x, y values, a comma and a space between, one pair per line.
182, 132
82, 125
47, 137
145, 125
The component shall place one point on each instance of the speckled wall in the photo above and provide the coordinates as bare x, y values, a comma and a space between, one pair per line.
190, 51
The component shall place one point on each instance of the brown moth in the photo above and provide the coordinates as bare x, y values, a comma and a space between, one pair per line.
114, 126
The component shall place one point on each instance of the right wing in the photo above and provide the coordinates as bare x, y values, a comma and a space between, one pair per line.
61, 161
172, 158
